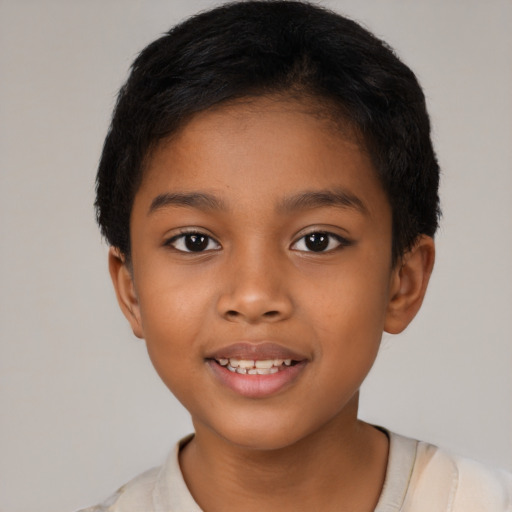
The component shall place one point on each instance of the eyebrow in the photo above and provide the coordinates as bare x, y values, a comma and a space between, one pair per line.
198, 200
302, 201
321, 198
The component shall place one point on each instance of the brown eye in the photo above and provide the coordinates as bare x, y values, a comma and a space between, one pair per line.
320, 241
193, 242
317, 242
196, 243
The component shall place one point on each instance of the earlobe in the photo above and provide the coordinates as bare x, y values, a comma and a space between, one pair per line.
409, 284
122, 280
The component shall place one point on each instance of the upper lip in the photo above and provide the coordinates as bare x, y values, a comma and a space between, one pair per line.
255, 352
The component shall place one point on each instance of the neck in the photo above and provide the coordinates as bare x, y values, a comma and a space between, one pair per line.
342, 463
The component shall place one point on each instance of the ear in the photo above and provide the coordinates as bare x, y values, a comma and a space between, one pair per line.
122, 278
409, 284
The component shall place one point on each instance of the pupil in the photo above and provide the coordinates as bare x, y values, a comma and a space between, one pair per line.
196, 242
317, 241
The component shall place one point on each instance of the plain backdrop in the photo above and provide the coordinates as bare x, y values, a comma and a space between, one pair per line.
82, 410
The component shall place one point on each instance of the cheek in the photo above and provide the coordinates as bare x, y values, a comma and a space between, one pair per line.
348, 318
174, 311
352, 297
171, 300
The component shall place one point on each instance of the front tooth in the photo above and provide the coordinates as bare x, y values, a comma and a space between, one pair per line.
245, 363
241, 363
264, 364
252, 371
263, 371
273, 370
241, 370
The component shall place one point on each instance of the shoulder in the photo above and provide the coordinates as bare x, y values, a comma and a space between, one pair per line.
134, 496
160, 488
449, 482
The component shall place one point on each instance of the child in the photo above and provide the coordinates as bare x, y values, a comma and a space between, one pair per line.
269, 191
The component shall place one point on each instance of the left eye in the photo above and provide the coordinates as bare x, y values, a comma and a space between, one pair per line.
319, 241
193, 242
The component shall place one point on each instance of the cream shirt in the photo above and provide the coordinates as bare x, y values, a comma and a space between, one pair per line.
419, 478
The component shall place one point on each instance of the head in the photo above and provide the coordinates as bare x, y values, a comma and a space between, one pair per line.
277, 48
269, 190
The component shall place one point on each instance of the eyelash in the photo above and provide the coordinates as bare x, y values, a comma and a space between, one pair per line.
182, 238
338, 240
325, 236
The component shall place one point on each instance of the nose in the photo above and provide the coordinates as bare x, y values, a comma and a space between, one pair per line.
255, 290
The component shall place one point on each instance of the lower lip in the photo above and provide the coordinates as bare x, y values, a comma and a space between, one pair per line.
257, 386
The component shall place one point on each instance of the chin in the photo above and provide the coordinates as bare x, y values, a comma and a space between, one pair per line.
262, 441
260, 434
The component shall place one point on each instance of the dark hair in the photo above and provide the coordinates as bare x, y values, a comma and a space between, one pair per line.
255, 48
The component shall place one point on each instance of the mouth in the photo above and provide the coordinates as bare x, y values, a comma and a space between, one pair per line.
255, 367
256, 370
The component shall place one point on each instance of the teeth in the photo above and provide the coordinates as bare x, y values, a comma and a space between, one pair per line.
262, 371
241, 363
264, 364
252, 367
248, 363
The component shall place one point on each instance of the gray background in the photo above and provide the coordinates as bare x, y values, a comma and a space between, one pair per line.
82, 411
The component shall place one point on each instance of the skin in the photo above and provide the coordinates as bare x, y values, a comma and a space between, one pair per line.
258, 281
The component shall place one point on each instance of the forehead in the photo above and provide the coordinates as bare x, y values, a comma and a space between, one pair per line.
263, 149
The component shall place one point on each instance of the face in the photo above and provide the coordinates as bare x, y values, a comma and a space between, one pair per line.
261, 266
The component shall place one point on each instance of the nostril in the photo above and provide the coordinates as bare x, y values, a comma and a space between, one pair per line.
269, 315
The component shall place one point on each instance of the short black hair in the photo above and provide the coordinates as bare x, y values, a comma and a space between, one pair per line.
265, 47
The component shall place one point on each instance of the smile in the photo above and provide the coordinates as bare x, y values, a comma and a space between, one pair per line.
255, 367
256, 378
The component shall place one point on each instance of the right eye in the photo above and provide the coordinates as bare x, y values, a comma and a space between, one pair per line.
193, 242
